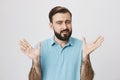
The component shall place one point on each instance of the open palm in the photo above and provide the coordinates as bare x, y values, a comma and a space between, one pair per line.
28, 50
88, 48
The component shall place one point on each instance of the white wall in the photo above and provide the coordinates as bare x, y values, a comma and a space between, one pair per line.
29, 19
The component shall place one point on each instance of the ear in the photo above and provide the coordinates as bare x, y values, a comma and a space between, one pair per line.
51, 25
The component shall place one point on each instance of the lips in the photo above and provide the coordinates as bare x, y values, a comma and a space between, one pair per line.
65, 31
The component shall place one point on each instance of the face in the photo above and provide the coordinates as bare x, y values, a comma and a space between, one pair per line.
62, 26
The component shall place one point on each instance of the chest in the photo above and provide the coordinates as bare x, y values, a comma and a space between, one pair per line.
56, 56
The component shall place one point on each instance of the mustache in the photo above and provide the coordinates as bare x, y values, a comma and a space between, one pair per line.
65, 30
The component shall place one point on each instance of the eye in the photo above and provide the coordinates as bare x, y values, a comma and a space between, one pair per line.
59, 22
68, 22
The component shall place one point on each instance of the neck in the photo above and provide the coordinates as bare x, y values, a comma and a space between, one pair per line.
60, 42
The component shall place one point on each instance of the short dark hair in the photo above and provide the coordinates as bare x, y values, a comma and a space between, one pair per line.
58, 9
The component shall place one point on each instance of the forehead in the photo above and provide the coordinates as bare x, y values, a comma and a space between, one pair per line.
61, 17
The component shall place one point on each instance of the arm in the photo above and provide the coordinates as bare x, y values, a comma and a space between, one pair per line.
35, 72
87, 72
34, 54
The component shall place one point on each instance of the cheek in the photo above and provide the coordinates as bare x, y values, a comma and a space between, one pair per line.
56, 29
70, 27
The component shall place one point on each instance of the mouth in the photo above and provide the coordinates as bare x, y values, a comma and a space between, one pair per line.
65, 32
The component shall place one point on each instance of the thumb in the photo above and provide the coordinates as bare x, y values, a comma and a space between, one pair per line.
84, 40
39, 45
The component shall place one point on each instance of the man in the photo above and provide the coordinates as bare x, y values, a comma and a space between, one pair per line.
61, 57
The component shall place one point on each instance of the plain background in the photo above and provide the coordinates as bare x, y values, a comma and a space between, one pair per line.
29, 19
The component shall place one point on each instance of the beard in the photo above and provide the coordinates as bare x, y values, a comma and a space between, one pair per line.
64, 35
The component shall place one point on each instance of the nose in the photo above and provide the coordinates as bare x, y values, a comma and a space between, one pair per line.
64, 26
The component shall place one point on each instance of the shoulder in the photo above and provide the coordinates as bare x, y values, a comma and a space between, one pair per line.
75, 40
43, 43
47, 42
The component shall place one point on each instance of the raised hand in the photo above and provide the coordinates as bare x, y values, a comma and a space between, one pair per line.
88, 48
27, 49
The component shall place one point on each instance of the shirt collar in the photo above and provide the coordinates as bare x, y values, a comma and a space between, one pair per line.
52, 42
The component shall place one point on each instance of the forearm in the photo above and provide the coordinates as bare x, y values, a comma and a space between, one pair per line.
35, 72
87, 72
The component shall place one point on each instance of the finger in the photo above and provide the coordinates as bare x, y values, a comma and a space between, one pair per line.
98, 44
100, 40
25, 42
26, 50
97, 39
39, 45
84, 40
23, 49
21, 43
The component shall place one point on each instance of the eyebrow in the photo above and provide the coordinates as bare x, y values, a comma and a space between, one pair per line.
62, 21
